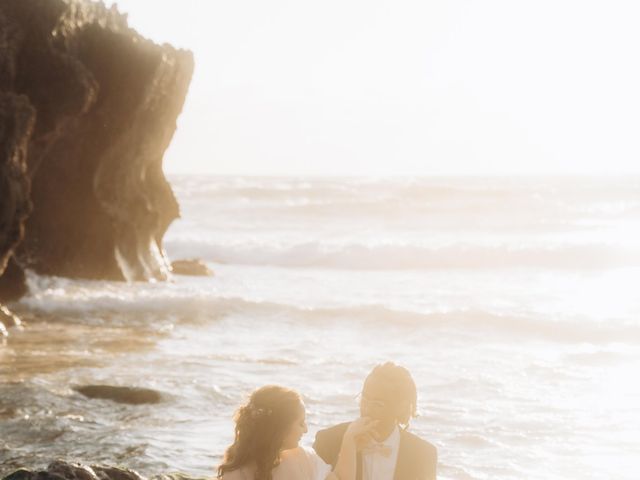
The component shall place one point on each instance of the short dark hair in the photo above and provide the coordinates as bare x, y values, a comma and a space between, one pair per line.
401, 383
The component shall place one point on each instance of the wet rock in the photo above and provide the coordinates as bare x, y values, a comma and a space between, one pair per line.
60, 470
87, 110
192, 266
114, 473
129, 395
21, 474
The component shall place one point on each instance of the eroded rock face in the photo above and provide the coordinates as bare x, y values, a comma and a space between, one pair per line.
87, 109
17, 118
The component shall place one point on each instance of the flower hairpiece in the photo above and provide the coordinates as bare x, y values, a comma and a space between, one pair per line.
257, 412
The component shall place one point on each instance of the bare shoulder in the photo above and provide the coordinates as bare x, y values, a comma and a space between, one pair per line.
292, 454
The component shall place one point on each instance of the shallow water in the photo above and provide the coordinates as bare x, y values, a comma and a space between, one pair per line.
512, 302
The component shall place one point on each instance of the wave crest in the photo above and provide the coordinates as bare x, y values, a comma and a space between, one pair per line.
405, 257
134, 309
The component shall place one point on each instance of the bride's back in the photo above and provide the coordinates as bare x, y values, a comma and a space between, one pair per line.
295, 464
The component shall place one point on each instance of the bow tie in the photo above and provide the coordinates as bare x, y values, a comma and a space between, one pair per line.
378, 449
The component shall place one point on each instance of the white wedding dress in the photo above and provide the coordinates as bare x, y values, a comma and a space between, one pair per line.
301, 464
296, 464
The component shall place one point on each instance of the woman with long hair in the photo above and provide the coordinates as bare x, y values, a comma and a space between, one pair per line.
267, 432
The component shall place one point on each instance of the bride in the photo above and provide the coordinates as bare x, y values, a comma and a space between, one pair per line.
268, 429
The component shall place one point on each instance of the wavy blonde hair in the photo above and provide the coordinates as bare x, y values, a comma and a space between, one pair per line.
261, 426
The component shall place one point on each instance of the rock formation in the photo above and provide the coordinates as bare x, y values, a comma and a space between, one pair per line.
191, 266
87, 109
129, 395
17, 118
60, 470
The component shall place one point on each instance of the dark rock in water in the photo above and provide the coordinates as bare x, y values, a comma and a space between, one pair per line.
130, 395
21, 474
87, 110
60, 470
114, 473
192, 266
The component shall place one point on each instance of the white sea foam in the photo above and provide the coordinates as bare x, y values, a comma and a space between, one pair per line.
110, 303
389, 256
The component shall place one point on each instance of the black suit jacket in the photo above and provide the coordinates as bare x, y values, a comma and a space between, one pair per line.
417, 458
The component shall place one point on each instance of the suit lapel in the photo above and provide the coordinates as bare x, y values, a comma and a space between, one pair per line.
403, 470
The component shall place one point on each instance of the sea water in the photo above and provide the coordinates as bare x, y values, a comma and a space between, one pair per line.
513, 302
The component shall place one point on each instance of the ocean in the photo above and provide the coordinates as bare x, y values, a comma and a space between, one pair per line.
513, 301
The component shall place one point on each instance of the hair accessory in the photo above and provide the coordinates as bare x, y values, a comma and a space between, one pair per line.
256, 412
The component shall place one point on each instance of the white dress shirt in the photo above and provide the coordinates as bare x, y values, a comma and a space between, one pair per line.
378, 466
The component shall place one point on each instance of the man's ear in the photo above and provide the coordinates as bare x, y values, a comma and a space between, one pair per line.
404, 413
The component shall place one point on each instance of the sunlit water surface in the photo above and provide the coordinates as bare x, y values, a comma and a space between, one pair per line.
514, 304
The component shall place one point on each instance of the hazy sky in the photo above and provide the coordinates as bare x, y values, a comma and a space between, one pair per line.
381, 87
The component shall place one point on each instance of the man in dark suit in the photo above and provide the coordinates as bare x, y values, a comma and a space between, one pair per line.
389, 397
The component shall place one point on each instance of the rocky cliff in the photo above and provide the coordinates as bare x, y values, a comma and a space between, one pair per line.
87, 109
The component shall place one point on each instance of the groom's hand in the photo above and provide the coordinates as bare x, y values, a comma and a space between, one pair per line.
361, 431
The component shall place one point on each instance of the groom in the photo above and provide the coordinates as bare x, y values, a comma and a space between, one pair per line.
388, 396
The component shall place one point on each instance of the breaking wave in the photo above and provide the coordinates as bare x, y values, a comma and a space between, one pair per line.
353, 256
146, 305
